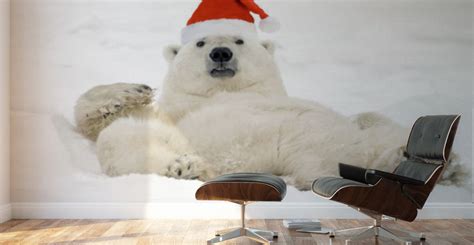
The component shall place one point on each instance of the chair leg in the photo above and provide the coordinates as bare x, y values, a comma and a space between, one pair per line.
270, 234
371, 232
256, 237
388, 234
254, 234
408, 237
351, 231
228, 236
410, 234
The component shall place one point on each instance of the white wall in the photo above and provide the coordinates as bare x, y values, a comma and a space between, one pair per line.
4, 110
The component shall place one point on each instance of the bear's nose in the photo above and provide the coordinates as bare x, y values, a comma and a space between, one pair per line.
221, 54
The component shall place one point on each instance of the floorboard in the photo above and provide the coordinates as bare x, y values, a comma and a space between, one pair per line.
439, 232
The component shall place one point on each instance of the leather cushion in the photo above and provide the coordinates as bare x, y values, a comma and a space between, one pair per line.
268, 179
429, 135
416, 170
328, 186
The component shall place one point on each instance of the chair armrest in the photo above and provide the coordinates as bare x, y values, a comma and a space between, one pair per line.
351, 172
370, 173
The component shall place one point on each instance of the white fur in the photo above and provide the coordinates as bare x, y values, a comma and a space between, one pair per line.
285, 136
269, 24
242, 124
188, 85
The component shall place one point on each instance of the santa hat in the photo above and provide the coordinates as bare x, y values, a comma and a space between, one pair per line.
227, 17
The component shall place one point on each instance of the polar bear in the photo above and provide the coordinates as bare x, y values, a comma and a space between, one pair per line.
224, 109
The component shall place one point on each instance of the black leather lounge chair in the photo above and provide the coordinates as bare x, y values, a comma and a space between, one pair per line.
399, 194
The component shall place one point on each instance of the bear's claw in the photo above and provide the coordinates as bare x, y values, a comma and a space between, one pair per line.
101, 105
182, 168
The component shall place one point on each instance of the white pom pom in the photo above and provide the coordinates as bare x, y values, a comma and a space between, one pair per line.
269, 24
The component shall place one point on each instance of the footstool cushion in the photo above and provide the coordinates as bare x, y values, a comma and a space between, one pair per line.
242, 187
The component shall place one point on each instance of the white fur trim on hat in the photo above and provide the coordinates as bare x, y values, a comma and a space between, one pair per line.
218, 27
269, 24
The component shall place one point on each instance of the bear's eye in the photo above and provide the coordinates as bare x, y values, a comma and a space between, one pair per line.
239, 42
200, 44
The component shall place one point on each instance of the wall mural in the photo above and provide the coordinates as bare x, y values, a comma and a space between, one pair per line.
224, 109
100, 116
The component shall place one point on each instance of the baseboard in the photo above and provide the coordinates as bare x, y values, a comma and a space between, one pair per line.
5, 213
216, 210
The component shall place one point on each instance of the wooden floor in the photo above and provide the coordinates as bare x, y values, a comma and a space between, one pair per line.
198, 231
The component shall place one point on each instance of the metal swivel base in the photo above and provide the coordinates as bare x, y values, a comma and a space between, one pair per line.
264, 237
378, 231
261, 236
363, 233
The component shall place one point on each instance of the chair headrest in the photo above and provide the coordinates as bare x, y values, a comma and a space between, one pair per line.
432, 137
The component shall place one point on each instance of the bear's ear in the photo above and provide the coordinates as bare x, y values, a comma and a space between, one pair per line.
170, 52
269, 46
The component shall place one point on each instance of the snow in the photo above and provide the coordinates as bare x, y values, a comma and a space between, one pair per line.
401, 58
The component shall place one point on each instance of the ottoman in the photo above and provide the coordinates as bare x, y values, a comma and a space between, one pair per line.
242, 189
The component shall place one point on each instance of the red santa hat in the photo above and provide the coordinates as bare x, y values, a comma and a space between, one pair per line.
227, 17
